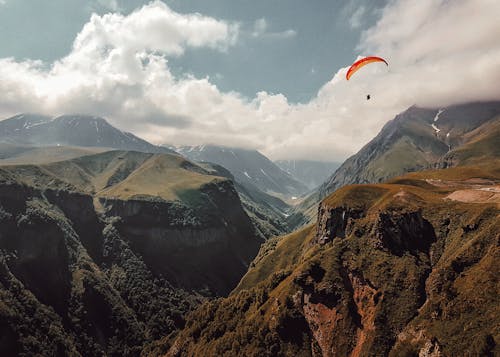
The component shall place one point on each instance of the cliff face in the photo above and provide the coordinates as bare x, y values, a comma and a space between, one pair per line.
210, 245
88, 274
393, 269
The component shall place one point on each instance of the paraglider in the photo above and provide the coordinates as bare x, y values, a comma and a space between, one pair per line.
361, 63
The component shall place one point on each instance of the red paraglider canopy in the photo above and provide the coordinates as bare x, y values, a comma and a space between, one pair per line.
363, 62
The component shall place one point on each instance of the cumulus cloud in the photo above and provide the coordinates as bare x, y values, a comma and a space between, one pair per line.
118, 67
440, 53
446, 52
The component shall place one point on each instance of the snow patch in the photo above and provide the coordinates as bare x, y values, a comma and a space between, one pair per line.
438, 114
29, 125
435, 128
246, 174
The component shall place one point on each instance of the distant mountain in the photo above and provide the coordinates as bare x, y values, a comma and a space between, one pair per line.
249, 167
416, 139
70, 130
311, 173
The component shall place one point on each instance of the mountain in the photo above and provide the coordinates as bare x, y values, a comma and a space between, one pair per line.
405, 268
416, 139
309, 172
105, 253
266, 212
36, 139
70, 130
249, 167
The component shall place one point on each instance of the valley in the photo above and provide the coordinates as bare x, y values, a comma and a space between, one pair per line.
111, 250
249, 178
87, 242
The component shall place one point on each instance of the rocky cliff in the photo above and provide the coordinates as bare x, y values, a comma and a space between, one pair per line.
93, 263
405, 268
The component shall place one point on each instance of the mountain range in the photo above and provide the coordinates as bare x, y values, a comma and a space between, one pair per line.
311, 173
417, 139
70, 130
145, 251
249, 167
37, 139
401, 268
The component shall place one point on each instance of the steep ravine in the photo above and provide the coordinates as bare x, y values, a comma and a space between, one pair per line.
390, 269
77, 282
204, 246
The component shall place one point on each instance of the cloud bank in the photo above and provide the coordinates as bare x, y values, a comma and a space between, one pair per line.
440, 52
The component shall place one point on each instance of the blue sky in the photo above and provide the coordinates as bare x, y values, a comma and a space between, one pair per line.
264, 74
321, 38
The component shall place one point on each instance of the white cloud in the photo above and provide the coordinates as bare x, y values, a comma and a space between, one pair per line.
259, 27
118, 68
445, 52
356, 19
260, 30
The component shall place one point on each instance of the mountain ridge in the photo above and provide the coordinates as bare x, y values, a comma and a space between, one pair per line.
70, 130
388, 269
419, 125
407, 143
247, 167
102, 267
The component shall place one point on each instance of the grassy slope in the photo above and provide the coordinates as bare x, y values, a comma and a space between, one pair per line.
118, 174
475, 147
16, 155
260, 316
274, 257
483, 145
166, 176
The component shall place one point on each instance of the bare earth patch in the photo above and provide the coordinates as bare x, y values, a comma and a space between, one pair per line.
477, 195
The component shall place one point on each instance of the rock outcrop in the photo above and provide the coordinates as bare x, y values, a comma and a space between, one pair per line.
390, 269
87, 273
